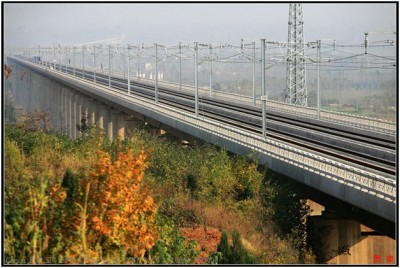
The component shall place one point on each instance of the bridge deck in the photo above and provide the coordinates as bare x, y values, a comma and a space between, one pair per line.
362, 188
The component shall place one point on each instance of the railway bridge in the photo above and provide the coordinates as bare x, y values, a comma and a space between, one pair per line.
349, 159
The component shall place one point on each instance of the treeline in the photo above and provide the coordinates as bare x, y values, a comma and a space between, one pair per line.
92, 200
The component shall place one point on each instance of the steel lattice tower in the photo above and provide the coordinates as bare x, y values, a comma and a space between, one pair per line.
296, 88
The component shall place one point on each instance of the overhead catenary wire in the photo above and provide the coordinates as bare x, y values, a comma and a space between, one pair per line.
333, 56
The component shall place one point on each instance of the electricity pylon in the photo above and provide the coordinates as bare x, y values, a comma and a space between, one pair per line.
296, 87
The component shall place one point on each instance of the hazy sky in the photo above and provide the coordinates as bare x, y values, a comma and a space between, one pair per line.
32, 24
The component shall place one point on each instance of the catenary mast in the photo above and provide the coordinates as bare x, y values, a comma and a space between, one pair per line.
296, 88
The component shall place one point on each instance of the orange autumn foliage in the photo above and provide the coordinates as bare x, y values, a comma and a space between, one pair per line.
123, 211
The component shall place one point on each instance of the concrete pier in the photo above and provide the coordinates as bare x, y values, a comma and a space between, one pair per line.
346, 241
92, 112
84, 117
110, 123
103, 116
121, 126
64, 108
70, 95
78, 114
118, 124
74, 115
341, 240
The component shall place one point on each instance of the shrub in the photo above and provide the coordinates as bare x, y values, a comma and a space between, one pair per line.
239, 253
172, 247
101, 213
183, 217
71, 183
224, 249
120, 211
235, 254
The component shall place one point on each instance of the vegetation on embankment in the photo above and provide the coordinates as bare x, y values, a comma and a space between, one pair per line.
92, 200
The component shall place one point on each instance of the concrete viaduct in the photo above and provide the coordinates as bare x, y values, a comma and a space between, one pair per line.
70, 98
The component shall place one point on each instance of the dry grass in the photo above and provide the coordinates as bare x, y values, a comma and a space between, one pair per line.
220, 218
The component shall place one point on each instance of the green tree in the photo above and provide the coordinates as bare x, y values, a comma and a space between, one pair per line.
224, 248
239, 253
235, 254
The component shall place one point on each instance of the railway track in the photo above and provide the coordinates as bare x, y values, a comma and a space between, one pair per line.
373, 153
